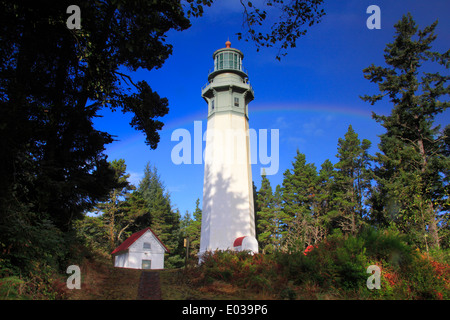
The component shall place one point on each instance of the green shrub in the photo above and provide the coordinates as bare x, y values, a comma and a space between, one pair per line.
336, 267
388, 246
258, 272
11, 288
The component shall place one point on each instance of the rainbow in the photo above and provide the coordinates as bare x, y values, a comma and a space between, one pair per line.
363, 113
186, 122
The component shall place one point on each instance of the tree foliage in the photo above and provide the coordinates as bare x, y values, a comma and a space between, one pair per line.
290, 19
110, 209
265, 218
191, 228
300, 203
412, 165
405, 186
53, 83
294, 18
351, 182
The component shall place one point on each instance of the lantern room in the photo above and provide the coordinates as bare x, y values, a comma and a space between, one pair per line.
228, 59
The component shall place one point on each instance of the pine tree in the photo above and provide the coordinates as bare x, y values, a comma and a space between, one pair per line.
129, 211
185, 222
325, 196
299, 203
352, 181
151, 189
265, 227
279, 216
194, 228
111, 207
412, 167
159, 215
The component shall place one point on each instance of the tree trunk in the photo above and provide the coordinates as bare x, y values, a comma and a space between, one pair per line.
430, 214
433, 227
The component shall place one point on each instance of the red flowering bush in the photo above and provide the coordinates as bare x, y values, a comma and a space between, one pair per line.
258, 271
420, 278
442, 271
308, 249
336, 267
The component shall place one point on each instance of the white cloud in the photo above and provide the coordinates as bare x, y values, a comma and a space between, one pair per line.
296, 141
135, 177
281, 123
313, 128
178, 188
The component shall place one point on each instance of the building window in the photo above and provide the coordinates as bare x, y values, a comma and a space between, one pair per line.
226, 64
147, 245
236, 101
220, 65
212, 104
227, 60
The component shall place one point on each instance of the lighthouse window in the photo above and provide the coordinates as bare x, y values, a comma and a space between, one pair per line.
212, 104
236, 101
227, 60
220, 66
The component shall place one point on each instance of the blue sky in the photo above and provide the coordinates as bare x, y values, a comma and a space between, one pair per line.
311, 95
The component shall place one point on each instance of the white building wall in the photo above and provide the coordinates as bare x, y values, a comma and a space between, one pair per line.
136, 253
228, 211
121, 260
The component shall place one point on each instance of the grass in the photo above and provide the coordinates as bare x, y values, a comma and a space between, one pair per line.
181, 284
101, 281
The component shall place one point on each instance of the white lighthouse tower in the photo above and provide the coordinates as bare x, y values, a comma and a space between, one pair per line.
228, 219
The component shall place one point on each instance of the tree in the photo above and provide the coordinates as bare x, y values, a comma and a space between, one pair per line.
325, 197
159, 214
290, 25
130, 210
279, 216
299, 203
110, 208
93, 233
193, 229
53, 82
265, 224
152, 190
412, 167
352, 182
294, 17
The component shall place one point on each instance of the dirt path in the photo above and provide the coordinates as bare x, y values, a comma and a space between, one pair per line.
149, 286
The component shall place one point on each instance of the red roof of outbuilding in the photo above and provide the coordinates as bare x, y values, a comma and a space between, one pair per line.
128, 242
238, 242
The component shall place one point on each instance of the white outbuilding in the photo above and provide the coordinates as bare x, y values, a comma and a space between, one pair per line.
142, 250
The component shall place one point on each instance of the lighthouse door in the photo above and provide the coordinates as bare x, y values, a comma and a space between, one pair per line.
146, 264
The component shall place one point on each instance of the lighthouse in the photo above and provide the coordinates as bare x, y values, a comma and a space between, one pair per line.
228, 218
